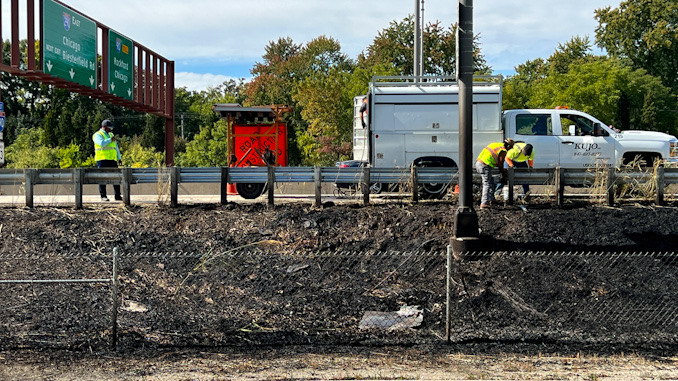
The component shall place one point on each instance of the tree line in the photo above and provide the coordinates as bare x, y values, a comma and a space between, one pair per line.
632, 86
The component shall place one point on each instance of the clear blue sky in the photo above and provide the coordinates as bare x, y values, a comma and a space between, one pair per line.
215, 40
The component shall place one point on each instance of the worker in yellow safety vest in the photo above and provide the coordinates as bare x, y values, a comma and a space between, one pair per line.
520, 156
107, 155
492, 156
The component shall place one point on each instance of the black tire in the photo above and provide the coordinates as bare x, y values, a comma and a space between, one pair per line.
376, 188
433, 191
643, 160
249, 191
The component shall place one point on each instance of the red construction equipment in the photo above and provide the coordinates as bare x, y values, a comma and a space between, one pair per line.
257, 136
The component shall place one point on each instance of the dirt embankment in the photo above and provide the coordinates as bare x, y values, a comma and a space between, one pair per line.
291, 299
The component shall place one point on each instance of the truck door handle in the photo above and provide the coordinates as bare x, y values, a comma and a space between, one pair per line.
567, 143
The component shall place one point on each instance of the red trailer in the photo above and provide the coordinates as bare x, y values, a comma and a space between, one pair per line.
257, 136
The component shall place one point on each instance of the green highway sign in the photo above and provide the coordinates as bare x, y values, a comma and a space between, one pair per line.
120, 65
69, 45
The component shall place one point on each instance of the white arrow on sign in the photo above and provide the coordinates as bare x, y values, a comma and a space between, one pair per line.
91, 80
72, 73
112, 86
129, 92
49, 65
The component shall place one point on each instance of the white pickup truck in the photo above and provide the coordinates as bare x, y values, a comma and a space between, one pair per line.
417, 123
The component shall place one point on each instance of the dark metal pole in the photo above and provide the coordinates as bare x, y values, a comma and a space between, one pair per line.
466, 219
422, 27
417, 31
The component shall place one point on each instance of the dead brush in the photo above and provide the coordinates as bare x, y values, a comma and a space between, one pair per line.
599, 186
632, 186
163, 186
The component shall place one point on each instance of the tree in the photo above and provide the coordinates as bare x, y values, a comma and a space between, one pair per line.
604, 86
645, 32
518, 89
328, 112
395, 45
578, 49
289, 69
30, 151
208, 149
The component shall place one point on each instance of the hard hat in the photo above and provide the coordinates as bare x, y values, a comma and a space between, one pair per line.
107, 123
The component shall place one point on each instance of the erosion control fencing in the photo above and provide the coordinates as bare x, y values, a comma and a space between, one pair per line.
51, 312
263, 297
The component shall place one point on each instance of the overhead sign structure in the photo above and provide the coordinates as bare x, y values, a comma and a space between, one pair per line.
120, 65
69, 45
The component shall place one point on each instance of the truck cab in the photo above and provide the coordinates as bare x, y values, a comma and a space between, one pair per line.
574, 139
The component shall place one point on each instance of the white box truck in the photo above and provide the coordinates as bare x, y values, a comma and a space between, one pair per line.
416, 123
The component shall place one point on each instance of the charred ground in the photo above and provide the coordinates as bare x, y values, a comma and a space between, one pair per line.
500, 300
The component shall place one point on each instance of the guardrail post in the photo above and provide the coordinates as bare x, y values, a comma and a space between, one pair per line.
366, 186
174, 186
560, 187
318, 186
114, 297
126, 185
511, 177
30, 177
78, 177
271, 183
224, 185
610, 186
660, 185
415, 184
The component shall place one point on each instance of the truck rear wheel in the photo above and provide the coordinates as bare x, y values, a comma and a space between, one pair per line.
249, 191
377, 188
433, 191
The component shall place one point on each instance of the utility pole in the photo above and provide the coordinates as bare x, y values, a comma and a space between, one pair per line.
417, 32
418, 67
466, 230
182, 125
421, 40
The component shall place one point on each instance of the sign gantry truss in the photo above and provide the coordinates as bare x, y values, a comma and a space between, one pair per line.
123, 72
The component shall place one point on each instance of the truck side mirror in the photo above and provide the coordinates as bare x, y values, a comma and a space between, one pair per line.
599, 131
572, 130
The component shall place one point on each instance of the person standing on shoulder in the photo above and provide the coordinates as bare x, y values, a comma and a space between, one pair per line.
492, 156
107, 155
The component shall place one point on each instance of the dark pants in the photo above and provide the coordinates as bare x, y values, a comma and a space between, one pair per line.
102, 187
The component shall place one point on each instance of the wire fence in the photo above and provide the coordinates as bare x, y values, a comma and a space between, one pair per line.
251, 298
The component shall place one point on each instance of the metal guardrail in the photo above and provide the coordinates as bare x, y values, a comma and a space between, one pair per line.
355, 176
